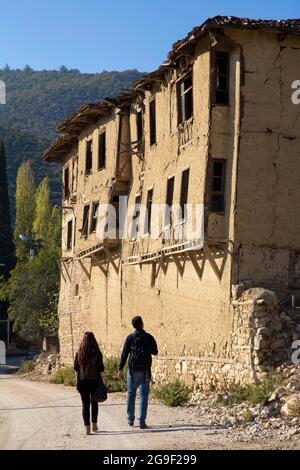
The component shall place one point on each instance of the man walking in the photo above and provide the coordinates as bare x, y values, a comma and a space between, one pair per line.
139, 346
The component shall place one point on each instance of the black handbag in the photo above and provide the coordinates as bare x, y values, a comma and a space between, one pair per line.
100, 392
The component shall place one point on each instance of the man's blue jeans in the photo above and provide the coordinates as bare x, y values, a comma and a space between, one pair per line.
135, 380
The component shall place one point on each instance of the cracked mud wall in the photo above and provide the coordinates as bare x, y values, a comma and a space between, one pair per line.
268, 190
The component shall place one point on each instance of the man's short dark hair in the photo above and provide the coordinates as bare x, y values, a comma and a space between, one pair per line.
137, 323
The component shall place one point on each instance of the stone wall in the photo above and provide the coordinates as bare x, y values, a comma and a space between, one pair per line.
262, 337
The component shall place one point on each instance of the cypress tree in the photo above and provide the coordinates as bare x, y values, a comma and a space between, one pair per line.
6, 239
25, 209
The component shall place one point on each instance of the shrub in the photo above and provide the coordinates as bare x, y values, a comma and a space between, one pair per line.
254, 394
173, 394
65, 375
26, 367
110, 375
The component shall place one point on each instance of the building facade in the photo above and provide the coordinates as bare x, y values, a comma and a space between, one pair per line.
214, 127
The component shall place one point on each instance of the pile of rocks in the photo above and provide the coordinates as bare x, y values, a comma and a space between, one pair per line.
278, 417
44, 365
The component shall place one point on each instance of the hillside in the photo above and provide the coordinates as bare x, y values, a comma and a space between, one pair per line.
36, 101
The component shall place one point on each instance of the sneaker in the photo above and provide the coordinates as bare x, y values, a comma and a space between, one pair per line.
94, 427
130, 424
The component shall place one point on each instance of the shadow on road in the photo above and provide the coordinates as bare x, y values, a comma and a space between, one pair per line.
158, 429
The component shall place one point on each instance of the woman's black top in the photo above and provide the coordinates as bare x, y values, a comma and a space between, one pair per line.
93, 369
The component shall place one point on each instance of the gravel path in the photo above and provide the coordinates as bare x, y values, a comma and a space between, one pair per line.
36, 415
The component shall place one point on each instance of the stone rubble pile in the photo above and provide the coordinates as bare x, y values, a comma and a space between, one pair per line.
44, 365
278, 417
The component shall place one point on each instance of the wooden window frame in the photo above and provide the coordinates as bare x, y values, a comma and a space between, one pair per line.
148, 215
102, 150
152, 121
85, 223
66, 186
218, 92
218, 193
182, 98
94, 219
89, 150
69, 244
184, 195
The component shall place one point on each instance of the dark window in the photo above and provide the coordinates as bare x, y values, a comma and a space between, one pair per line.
222, 78
85, 221
136, 217
66, 183
185, 99
139, 125
152, 122
69, 235
169, 199
76, 289
88, 158
184, 191
94, 217
116, 204
217, 202
102, 151
147, 227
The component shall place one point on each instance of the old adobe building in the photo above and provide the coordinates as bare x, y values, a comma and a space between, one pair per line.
214, 125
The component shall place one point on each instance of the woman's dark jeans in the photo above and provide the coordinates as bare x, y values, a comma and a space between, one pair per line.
86, 388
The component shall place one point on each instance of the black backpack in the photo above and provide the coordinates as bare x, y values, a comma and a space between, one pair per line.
140, 356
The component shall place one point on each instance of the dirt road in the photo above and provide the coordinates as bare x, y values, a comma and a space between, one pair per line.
43, 416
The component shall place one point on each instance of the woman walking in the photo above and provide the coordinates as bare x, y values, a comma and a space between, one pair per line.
89, 366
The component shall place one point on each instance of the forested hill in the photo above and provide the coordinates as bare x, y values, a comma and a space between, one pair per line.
36, 101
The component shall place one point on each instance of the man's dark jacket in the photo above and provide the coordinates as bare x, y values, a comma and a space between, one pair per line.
151, 348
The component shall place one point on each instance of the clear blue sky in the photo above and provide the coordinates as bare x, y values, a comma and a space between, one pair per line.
93, 35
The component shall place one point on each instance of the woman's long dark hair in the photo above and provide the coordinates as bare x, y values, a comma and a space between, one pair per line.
87, 350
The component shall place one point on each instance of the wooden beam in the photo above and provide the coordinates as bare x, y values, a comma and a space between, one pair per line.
212, 261
94, 257
194, 261
180, 267
66, 269
111, 260
61, 272
88, 274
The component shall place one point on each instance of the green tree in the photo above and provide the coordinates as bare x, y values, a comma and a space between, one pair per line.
6, 239
43, 212
25, 209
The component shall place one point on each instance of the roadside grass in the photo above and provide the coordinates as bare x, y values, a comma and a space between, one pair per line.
110, 375
173, 394
253, 393
26, 367
65, 376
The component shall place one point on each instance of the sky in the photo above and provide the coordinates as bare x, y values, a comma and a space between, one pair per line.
97, 35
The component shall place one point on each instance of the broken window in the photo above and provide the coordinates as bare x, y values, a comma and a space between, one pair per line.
185, 99
139, 125
85, 221
89, 158
66, 182
184, 191
102, 151
147, 227
152, 122
69, 235
169, 200
135, 218
95, 213
217, 200
74, 174
222, 78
